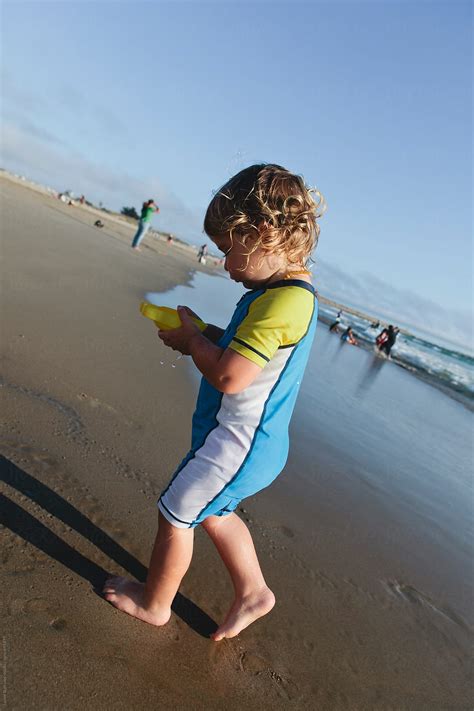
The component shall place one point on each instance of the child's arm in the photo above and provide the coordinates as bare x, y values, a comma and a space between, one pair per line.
228, 371
213, 333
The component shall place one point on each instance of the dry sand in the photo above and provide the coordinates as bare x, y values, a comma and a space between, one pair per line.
92, 429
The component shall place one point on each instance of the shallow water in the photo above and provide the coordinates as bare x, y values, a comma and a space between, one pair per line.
405, 438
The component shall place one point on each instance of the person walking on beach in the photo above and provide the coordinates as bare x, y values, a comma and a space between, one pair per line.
264, 221
386, 339
202, 254
148, 209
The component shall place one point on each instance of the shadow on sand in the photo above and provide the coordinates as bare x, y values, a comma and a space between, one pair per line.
27, 527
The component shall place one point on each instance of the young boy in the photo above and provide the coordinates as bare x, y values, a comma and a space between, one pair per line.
264, 222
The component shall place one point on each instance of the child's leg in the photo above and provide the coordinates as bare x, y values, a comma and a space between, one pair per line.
170, 560
253, 598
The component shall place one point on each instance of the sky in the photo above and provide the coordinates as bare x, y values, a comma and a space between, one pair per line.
370, 101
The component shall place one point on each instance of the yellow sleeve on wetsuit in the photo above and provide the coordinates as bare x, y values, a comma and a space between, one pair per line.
279, 317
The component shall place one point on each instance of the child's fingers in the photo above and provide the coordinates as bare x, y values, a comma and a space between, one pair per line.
189, 311
168, 340
184, 315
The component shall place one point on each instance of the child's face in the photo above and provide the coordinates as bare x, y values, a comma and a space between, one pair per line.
249, 269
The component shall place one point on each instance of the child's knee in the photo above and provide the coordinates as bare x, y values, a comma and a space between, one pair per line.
212, 523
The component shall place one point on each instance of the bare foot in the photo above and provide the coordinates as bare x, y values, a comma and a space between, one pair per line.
137, 249
127, 595
244, 611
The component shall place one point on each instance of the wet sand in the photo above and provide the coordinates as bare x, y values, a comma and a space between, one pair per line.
373, 608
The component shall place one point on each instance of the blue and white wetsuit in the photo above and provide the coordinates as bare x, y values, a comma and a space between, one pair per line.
240, 442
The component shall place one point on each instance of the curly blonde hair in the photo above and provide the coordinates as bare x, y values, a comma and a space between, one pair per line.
268, 202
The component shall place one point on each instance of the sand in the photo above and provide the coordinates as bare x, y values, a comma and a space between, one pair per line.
92, 427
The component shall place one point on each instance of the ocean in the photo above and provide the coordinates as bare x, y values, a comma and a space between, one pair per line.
440, 366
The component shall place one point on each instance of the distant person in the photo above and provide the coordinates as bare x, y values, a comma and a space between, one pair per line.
349, 337
374, 326
169, 240
202, 254
248, 391
98, 223
148, 209
386, 339
335, 325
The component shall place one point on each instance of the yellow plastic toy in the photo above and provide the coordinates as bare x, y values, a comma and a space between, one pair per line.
165, 318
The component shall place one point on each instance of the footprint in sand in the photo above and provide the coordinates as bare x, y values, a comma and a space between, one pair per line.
408, 593
253, 663
94, 402
58, 624
35, 456
257, 665
38, 607
30, 606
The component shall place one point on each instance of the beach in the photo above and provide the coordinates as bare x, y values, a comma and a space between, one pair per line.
365, 538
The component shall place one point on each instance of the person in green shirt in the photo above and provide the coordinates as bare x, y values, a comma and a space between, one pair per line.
148, 208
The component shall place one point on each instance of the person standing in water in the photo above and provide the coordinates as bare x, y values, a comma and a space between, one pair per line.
148, 209
386, 339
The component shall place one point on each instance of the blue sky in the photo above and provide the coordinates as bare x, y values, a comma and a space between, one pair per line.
370, 101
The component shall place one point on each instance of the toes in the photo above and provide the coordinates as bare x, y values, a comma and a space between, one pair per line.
114, 580
111, 584
218, 635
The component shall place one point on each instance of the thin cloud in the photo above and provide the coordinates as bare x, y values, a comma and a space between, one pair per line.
65, 100
27, 151
31, 128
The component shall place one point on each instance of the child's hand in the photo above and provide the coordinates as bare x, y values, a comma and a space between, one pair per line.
190, 312
179, 339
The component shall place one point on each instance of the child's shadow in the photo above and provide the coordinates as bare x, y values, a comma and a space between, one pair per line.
23, 524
